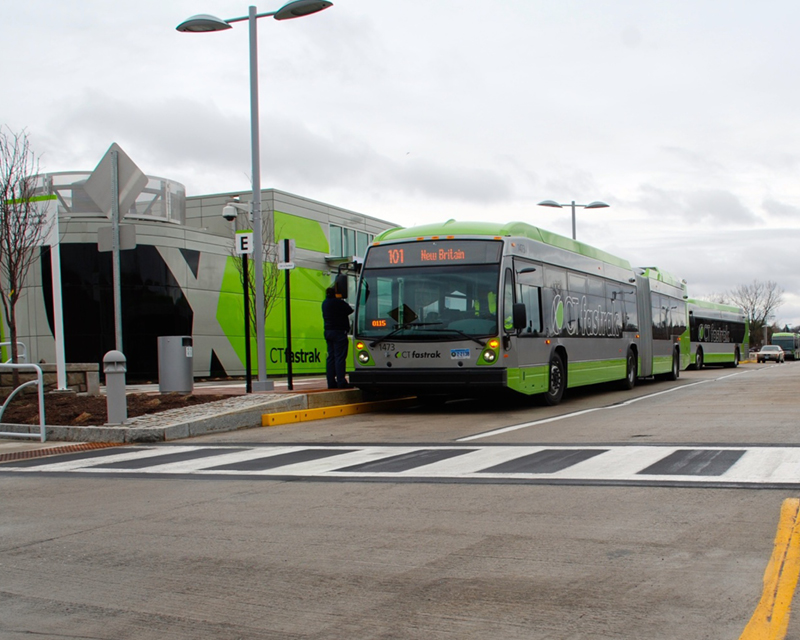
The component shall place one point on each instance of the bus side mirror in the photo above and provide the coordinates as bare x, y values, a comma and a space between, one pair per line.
519, 316
340, 285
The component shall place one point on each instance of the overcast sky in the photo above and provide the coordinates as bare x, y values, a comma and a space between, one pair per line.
682, 115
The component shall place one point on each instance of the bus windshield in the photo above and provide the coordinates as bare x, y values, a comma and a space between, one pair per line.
450, 302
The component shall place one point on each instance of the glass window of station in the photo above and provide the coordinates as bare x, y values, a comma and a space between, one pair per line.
348, 242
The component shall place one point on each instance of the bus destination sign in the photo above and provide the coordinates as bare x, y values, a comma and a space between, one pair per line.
433, 253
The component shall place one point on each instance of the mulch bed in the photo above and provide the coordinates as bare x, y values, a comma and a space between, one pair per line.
68, 409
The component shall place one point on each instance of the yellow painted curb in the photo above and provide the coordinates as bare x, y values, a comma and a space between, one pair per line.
304, 415
770, 620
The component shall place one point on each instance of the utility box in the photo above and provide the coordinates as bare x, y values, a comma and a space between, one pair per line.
175, 364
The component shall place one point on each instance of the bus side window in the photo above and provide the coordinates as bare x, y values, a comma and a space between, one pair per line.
529, 277
659, 311
530, 297
508, 301
553, 292
623, 302
678, 318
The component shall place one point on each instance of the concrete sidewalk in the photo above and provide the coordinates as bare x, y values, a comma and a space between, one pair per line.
238, 411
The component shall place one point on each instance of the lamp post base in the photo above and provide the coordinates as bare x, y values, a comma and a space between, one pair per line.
260, 386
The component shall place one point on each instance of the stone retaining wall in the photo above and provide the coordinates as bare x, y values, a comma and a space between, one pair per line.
81, 378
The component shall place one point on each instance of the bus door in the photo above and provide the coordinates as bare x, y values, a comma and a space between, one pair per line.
645, 312
523, 285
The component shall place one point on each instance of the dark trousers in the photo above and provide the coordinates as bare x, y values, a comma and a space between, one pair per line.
335, 364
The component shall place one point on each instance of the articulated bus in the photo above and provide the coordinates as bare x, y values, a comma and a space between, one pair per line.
789, 342
465, 308
719, 333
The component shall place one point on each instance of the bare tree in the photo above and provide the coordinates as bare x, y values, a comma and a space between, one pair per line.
273, 280
22, 222
759, 300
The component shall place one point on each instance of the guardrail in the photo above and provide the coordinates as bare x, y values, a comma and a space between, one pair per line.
42, 435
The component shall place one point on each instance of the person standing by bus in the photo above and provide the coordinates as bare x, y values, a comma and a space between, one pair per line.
336, 317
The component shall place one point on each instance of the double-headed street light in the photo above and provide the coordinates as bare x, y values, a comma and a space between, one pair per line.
200, 24
592, 205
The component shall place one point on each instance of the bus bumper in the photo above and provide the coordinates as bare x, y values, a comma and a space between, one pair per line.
458, 382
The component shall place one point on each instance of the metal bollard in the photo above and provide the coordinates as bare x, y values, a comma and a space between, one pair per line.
116, 402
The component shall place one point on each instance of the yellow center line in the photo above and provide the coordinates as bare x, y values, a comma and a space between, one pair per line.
770, 620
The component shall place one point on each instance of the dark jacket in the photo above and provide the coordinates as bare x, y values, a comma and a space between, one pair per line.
336, 313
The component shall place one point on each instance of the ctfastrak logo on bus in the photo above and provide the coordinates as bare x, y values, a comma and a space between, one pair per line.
589, 322
418, 355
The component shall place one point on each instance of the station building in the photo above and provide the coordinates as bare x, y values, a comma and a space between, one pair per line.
181, 277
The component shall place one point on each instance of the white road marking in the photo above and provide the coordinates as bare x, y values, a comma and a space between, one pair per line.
611, 407
775, 466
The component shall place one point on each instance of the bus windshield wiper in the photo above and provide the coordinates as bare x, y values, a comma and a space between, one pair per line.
401, 327
461, 333
410, 325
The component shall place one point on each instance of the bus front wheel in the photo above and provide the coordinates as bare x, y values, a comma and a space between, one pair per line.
698, 359
558, 380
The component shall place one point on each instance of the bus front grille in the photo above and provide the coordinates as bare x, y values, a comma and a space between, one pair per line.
429, 379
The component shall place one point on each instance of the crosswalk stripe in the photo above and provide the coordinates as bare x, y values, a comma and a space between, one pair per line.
636, 464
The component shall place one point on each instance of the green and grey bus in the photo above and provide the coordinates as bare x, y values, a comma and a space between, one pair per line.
789, 342
719, 333
464, 308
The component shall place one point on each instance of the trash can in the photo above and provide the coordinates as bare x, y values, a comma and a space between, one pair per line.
175, 361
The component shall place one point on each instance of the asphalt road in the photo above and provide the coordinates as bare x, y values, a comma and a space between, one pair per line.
132, 551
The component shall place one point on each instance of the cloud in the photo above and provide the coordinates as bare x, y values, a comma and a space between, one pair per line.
780, 209
701, 207
631, 37
694, 160
189, 141
716, 261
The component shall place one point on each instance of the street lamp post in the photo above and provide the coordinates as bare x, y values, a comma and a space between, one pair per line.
231, 212
592, 205
201, 24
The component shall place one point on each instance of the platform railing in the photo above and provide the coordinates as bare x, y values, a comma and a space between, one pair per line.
22, 351
39, 382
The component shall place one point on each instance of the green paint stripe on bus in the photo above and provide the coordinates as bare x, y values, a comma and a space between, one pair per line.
662, 364
717, 358
528, 380
583, 373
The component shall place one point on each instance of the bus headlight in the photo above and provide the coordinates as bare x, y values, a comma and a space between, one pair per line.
363, 357
489, 356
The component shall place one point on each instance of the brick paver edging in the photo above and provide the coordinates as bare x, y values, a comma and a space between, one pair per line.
52, 451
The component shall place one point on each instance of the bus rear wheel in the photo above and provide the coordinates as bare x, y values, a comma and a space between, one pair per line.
675, 372
557, 382
631, 370
735, 363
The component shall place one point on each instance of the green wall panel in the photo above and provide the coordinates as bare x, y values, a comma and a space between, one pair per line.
307, 288
307, 234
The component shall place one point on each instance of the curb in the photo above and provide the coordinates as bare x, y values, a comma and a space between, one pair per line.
293, 417
231, 414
